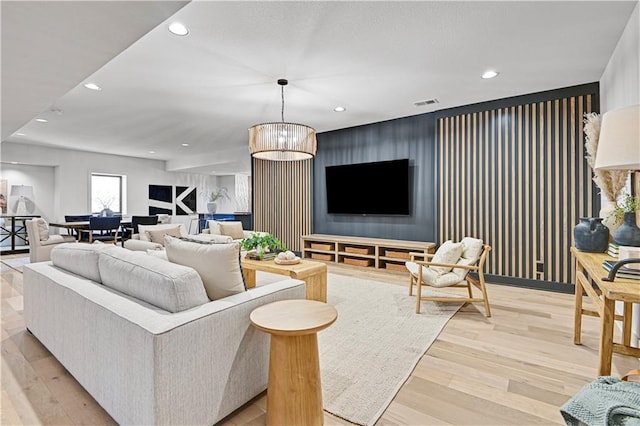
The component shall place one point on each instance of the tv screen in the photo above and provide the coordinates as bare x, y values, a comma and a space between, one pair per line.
369, 188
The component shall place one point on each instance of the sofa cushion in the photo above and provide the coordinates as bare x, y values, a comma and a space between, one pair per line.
168, 286
214, 227
142, 229
79, 258
43, 228
57, 239
232, 229
217, 264
157, 236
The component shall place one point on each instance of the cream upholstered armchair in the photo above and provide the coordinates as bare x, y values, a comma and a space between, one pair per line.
453, 265
40, 242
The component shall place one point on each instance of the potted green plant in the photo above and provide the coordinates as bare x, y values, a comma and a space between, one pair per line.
260, 244
628, 234
213, 195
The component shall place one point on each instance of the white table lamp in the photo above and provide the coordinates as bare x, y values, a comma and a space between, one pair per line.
619, 149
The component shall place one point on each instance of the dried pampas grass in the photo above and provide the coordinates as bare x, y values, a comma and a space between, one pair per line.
610, 182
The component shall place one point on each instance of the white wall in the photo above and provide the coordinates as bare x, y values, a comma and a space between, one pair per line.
620, 82
69, 187
620, 87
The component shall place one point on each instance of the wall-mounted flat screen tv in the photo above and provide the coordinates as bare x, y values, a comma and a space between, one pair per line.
380, 188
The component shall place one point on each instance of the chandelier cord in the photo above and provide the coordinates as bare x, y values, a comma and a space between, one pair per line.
282, 110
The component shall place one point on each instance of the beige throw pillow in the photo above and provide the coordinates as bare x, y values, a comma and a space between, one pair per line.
449, 252
217, 264
142, 229
232, 229
158, 235
43, 229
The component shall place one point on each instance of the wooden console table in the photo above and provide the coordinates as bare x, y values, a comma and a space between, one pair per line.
363, 251
589, 269
314, 274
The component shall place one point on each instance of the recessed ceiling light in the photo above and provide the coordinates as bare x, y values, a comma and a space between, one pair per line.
93, 86
339, 109
178, 29
185, 144
42, 120
152, 152
14, 162
490, 74
19, 134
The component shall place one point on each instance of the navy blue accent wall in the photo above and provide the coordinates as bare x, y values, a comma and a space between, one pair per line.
410, 137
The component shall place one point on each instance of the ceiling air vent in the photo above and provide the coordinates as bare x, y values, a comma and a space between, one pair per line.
426, 102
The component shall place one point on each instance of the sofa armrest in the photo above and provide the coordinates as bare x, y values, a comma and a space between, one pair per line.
205, 231
138, 245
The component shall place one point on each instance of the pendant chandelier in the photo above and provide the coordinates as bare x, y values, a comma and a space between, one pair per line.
280, 141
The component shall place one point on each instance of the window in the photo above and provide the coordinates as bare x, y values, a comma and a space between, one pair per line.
107, 192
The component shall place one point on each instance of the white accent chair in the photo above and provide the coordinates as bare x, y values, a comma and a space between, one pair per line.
238, 234
453, 265
40, 242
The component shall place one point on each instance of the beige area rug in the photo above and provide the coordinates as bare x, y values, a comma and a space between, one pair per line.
16, 263
372, 348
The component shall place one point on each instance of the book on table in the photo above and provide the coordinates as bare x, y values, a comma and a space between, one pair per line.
624, 271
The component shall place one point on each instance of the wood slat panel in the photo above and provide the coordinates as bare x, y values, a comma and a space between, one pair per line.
282, 199
517, 178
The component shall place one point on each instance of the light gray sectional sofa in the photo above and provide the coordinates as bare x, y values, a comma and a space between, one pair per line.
105, 314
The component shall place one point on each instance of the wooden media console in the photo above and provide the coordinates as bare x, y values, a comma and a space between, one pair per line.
362, 251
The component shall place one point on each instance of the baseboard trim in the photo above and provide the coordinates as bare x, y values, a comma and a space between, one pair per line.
553, 286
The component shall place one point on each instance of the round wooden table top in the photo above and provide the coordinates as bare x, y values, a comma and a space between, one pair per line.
293, 317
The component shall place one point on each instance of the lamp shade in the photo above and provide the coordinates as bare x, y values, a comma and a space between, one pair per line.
282, 141
619, 140
22, 191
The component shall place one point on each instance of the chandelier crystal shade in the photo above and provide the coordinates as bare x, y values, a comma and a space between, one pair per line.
281, 141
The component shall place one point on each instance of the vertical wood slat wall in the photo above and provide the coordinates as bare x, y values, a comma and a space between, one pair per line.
517, 178
282, 199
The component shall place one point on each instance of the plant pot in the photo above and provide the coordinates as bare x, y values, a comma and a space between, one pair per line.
591, 235
212, 206
628, 234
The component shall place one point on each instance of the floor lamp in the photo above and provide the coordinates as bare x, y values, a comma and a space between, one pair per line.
619, 149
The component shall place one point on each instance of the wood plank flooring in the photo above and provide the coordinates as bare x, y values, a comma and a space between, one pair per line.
517, 367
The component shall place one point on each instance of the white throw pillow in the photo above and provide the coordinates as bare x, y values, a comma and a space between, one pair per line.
214, 229
157, 236
43, 229
449, 252
472, 248
142, 229
217, 264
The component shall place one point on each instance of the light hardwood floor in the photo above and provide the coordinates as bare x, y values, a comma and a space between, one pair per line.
517, 367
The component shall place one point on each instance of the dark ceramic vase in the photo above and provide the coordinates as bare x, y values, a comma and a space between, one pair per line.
591, 235
628, 234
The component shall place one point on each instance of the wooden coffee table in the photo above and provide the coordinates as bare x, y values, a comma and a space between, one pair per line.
294, 394
314, 274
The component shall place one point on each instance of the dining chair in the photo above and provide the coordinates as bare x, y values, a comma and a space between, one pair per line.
107, 228
76, 218
453, 265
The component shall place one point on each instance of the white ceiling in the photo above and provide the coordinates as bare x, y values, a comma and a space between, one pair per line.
207, 88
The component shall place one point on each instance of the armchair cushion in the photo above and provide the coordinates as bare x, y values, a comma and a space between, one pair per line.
472, 248
448, 253
429, 276
57, 239
217, 264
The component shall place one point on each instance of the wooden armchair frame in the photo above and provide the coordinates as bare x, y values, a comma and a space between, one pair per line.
470, 280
